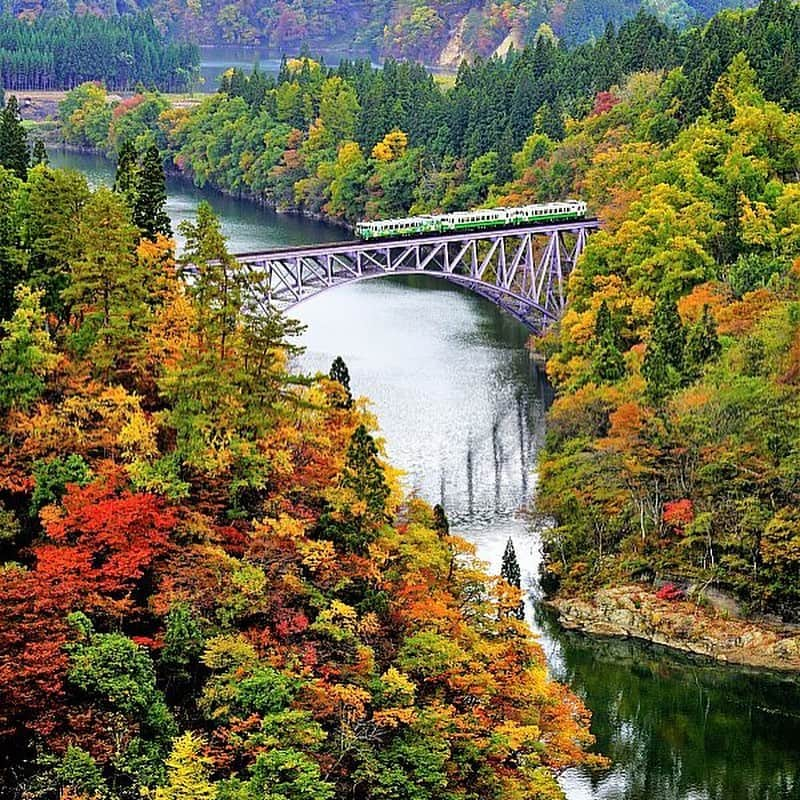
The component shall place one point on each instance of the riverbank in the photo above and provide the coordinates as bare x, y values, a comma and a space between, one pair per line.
635, 612
52, 141
42, 106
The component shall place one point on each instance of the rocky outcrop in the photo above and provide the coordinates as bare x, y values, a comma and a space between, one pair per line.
633, 611
514, 41
454, 51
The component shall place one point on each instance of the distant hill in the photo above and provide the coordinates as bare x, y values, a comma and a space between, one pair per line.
443, 31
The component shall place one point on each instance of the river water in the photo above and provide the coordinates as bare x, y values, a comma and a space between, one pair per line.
217, 58
461, 411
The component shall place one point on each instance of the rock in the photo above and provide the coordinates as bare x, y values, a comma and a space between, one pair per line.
631, 611
454, 51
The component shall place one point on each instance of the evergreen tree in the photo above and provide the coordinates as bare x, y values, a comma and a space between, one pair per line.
13, 257
702, 343
13, 140
667, 332
340, 373
511, 574
149, 210
79, 771
550, 121
126, 179
609, 365
39, 155
657, 374
284, 76
357, 524
363, 473
440, 522
664, 360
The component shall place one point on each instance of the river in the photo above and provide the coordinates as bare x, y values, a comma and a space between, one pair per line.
216, 58
462, 413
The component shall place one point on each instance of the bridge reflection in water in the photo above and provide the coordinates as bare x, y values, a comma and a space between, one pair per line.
523, 270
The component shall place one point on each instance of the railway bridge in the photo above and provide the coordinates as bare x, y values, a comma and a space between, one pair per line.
523, 269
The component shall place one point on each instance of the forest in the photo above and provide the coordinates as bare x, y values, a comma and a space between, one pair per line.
672, 451
212, 584
672, 448
358, 142
61, 52
421, 29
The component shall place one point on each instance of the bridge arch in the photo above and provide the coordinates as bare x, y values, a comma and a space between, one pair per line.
522, 270
518, 306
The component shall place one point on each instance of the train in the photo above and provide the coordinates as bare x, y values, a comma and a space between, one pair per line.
480, 219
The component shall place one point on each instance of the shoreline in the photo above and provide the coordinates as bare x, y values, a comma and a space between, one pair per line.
634, 612
248, 197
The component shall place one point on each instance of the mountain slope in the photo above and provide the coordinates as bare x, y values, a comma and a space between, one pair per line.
407, 28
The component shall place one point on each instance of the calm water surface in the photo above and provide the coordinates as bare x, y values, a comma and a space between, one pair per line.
216, 59
247, 226
462, 413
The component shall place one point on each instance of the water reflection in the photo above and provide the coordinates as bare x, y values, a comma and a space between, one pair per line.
677, 727
465, 440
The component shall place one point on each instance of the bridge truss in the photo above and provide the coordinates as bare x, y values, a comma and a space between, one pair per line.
522, 270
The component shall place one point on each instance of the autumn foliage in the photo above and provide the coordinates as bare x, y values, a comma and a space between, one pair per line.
672, 444
213, 585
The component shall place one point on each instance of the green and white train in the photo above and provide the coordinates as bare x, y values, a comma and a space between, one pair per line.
481, 219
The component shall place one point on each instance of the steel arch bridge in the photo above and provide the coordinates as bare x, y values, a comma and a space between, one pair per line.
522, 270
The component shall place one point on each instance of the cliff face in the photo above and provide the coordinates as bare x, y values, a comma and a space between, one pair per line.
434, 31
635, 612
455, 51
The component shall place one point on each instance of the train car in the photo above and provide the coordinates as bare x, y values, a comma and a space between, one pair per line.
474, 220
547, 212
480, 219
393, 228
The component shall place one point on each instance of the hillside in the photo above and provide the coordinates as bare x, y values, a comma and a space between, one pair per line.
212, 586
434, 31
672, 451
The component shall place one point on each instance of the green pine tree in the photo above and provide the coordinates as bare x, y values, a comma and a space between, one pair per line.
702, 343
511, 574
363, 473
150, 207
667, 332
126, 180
440, 522
657, 374
665, 359
14, 153
39, 155
609, 366
340, 373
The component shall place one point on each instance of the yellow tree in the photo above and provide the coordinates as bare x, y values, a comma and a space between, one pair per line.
188, 770
391, 147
